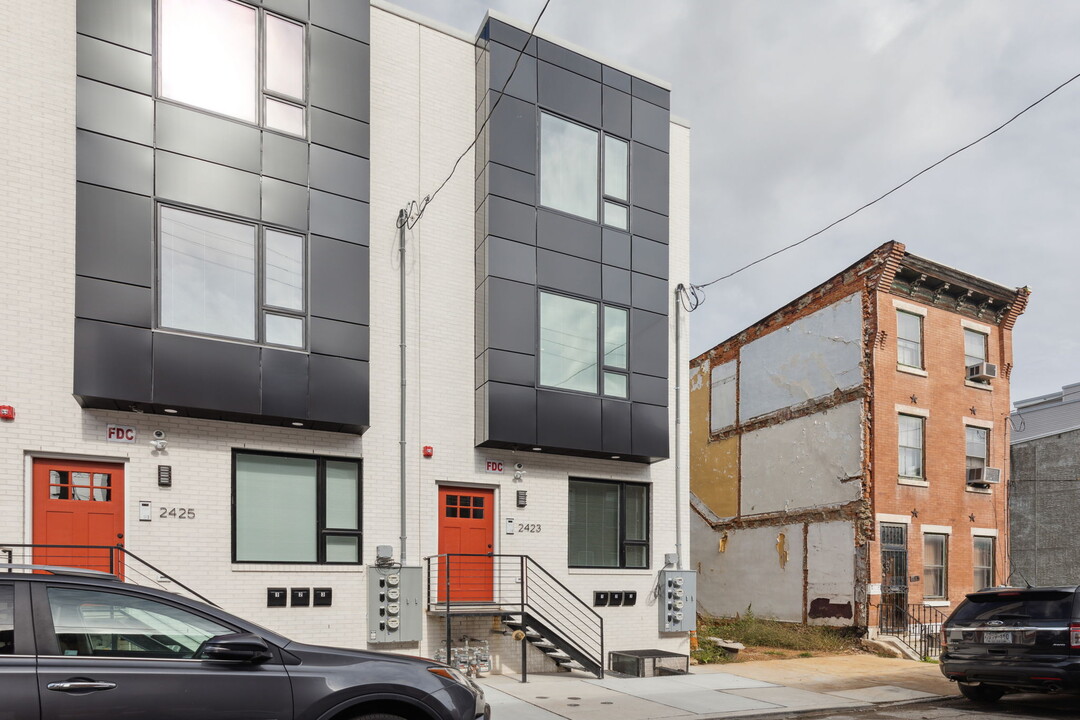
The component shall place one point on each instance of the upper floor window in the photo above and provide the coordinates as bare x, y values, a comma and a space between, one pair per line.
911, 431
570, 172
909, 339
572, 356
608, 524
231, 279
978, 448
974, 347
233, 59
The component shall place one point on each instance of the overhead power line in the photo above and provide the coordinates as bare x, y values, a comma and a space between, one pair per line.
698, 297
415, 209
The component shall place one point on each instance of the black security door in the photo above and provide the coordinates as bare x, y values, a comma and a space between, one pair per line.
894, 576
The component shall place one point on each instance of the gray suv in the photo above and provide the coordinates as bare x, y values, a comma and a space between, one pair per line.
1005, 640
76, 643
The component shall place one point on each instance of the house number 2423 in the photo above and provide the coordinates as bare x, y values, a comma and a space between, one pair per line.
528, 527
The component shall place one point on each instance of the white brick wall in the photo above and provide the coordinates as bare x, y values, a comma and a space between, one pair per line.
422, 101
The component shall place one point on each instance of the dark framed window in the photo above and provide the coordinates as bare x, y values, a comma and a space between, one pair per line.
909, 331
935, 566
296, 508
584, 345
584, 172
608, 524
912, 430
235, 60
233, 279
983, 562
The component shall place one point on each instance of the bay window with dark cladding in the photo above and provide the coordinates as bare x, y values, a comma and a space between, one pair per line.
571, 253
222, 210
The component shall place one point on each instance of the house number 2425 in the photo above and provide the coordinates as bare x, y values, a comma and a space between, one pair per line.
178, 513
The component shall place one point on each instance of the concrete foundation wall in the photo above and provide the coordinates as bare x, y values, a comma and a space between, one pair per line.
812, 461
807, 359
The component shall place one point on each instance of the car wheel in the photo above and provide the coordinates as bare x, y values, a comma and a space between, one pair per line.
981, 692
377, 716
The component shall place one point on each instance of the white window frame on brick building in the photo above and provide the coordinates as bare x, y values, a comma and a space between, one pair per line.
935, 565
911, 444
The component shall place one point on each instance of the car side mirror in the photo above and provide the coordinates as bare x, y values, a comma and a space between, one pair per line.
235, 647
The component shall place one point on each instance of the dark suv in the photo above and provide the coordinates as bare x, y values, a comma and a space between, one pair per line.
76, 643
1013, 640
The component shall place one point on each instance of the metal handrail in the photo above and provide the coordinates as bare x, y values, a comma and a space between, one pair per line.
118, 554
915, 625
534, 593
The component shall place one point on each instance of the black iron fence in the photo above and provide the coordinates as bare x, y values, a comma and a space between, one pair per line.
917, 626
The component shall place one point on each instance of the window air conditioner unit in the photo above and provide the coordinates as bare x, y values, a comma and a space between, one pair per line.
982, 371
983, 476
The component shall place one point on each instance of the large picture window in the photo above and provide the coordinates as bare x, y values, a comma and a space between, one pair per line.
571, 156
232, 59
910, 450
609, 524
580, 347
296, 509
231, 279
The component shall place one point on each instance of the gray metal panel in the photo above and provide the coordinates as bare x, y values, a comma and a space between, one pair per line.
501, 62
508, 367
339, 280
653, 93
616, 248
113, 302
339, 74
284, 384
206, 185
339, 217
500, 32
511, 134
340, 132
649, 389
112, 361
284, 204
123, 22
114, 163
649, 293
616, 282
569, 94
568, 273
99, 60
616, 78
509, 260
203, 373
649, 224
568, 421
346, 17
649, 180
339, 390
398, 593
568, 59
285, 158
650, 430
339, 173
510, 220
616, 427
651, 125
617, 116
510, 183
677, 600
650, 257
115, 231
1045, 420
296, 9
189, 132
111, 111
511, 316
511, 413
649, 343
568, 235
333, 337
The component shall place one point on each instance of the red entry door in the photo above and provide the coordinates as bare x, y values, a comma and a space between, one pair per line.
78, 503
466, 527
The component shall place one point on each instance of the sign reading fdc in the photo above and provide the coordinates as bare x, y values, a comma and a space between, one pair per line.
495, 466
120, 433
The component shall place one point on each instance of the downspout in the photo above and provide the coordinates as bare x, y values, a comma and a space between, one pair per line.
403, 218
678, 429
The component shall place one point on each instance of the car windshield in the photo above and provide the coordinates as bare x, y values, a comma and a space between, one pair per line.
1050, 605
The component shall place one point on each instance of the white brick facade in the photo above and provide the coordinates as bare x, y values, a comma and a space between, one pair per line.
422, 99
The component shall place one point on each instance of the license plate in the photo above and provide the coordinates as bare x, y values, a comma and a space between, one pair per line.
998, 638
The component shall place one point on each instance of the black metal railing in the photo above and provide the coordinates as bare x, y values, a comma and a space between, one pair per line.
917, 626
516, 585
112, 559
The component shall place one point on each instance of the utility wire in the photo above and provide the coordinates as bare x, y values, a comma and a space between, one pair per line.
415, 209
875, 200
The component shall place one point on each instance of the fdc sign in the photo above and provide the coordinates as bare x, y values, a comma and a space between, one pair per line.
120, 433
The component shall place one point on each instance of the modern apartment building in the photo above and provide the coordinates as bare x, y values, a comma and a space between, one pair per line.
850, 450
256, 340
1044, 488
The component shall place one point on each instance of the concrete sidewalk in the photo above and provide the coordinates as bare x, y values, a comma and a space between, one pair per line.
719, 691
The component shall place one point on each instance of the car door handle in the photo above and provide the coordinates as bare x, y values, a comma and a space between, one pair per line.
77, 685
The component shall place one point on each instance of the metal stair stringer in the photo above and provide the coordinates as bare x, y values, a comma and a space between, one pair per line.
565, 654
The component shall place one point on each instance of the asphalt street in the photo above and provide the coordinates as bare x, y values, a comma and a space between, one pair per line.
1011, 707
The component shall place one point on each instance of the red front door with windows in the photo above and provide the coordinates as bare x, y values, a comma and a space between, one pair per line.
466, 527
78, 503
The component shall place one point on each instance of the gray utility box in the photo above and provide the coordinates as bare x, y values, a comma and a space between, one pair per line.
678, 600
395, 604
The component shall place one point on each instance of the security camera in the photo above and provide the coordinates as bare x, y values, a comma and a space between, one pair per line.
519, 466
159, 444
159, 434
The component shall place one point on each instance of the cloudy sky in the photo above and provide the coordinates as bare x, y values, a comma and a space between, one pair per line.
802, 111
